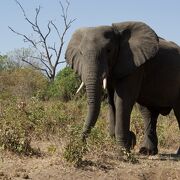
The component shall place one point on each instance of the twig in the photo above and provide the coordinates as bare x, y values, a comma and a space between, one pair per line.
45, 50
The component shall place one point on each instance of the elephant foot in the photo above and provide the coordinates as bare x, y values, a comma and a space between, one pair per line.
111, 132
112, 135
129, 144
146, 151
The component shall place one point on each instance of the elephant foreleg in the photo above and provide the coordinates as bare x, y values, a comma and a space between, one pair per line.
150, 142
126, 93
124, 137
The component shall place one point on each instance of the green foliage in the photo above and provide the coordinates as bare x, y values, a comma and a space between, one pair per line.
76, 148
65, 85
3, 60
22, 121
15, 129
6, 63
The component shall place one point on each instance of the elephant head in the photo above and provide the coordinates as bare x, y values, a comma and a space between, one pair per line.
96, 53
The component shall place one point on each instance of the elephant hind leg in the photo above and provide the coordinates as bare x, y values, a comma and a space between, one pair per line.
176, 109
177, 114
150, 142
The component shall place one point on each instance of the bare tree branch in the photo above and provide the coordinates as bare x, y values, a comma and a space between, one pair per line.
36, 67
24, 13
65, 14
49, 30
67, 26
37, 14
55, 27
49, 55
54, 49
61, 62
24, 36
43, 61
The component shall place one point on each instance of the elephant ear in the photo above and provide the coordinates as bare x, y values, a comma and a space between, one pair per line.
73, 53
138, 43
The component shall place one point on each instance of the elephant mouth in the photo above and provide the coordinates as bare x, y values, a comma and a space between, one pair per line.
104, 84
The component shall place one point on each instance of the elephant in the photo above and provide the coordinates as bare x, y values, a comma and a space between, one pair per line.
135, 65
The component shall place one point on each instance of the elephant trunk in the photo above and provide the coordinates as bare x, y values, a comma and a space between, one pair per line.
93, 90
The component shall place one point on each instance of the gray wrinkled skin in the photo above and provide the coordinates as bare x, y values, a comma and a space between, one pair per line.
139, 67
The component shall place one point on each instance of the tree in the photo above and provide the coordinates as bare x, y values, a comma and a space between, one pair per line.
6, 64
16, 55
47, 54
3, 62
65, 85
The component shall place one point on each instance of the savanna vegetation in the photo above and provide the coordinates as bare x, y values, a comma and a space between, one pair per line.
40, 118
32, 108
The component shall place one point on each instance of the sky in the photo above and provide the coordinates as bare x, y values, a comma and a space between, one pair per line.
162, 15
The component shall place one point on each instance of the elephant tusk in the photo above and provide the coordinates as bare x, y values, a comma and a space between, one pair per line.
80, 87
104, 83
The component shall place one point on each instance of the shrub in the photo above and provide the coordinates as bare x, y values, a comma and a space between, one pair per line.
6, 64
23, 121
15, 129
168, 131
65, 85
22, 83
75, 149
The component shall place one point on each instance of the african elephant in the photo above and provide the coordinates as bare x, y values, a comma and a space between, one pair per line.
135, 65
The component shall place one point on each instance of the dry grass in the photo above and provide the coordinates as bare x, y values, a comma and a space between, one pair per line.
54, 129
39, 120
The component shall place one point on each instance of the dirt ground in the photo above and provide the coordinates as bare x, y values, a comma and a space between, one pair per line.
51, 165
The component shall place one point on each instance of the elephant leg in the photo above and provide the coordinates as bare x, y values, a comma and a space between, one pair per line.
150, 142
177, 112
126, 93
124, 136
111, 113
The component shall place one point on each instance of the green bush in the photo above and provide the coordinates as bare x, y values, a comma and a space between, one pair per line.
75, 149
6, 64
65, 85
33, 119
15, 129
